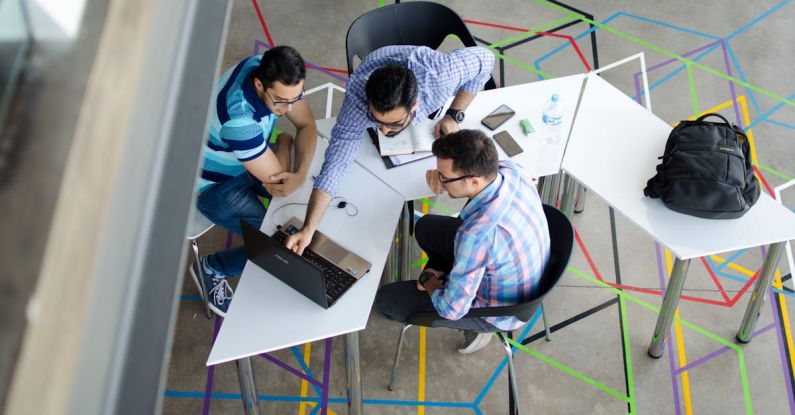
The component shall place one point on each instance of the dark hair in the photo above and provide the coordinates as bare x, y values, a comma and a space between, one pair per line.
390, 87
472, 152
282, 64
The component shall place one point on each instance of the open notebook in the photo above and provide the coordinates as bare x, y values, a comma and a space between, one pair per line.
414, 139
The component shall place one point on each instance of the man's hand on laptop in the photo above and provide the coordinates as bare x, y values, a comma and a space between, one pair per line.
432, 177
298, 241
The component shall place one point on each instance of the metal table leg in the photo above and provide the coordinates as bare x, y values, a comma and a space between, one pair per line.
567, 200
671, 299
354, 373
405, 243
759, 294
245, 374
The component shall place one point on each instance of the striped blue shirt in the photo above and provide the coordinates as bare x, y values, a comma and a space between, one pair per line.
501, 249
439, 77
239, 127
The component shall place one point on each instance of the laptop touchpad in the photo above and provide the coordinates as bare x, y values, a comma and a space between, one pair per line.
332, 252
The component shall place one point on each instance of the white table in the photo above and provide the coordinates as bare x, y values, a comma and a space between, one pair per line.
527, 100
266, 315
613, 151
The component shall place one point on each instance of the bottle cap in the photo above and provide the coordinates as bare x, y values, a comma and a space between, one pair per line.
555, 97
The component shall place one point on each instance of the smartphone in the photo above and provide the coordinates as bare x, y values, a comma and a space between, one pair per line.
498, 117
504, 139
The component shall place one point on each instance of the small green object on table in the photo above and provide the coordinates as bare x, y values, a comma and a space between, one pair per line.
527, 128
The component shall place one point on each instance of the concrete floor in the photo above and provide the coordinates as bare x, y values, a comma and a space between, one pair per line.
597, 361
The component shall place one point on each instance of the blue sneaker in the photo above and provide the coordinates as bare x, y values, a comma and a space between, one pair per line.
219, 291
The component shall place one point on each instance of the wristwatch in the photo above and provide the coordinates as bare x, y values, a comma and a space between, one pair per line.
455, 114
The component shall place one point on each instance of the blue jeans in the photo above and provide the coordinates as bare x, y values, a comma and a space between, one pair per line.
226, 204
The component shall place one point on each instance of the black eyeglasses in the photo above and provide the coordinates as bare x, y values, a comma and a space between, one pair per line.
400, 125
445, 180
284, 104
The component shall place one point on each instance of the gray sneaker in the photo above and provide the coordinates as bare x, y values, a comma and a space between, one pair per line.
218, 289
474, 342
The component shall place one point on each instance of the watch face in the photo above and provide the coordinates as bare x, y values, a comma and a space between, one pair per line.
457, 115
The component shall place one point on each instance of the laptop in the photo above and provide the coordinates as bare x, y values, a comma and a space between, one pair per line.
322, 274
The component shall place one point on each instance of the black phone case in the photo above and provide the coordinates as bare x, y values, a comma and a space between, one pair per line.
508, 144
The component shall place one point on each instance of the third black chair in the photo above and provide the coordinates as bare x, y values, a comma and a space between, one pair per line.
561, 236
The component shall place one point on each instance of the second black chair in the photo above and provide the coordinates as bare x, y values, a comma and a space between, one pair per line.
561, 236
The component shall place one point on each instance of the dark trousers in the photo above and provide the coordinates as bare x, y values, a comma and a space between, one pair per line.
398, 301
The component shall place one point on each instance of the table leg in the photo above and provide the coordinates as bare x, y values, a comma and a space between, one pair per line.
405, 244
671, 299
354, 372
579, 199
567, 200
248, 389
759, 294
548, 189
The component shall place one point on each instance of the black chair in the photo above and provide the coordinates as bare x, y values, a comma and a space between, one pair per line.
561, 244
418, 23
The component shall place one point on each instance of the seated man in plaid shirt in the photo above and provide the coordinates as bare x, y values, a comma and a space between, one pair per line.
493, 254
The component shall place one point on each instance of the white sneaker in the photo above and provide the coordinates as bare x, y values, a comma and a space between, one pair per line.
474, 342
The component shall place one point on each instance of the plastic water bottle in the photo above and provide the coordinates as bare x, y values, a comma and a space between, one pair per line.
553, 120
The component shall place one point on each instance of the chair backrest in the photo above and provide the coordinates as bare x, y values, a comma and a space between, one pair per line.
561, 235
418, 23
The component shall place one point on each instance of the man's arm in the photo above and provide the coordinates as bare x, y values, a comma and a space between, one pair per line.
474, 66
453, 300
249, 145
346, 136
285, 183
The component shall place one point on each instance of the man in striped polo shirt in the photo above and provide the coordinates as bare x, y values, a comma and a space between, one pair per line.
240, 162
492, 254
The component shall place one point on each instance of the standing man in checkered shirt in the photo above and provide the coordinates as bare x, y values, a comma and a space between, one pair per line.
393, 88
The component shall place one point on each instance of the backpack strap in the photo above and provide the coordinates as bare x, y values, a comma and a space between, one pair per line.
712, 114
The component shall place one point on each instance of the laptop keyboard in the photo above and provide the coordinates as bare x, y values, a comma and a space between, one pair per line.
337, 280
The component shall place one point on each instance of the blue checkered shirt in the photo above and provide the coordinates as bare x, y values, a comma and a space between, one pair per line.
439, 77
501, 249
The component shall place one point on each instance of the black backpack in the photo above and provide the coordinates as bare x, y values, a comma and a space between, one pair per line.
706, 170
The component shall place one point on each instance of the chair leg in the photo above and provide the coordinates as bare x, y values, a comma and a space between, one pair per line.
546, 325
513, 396
203, 290
393, 376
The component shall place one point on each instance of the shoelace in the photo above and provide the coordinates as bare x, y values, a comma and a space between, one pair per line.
222, 291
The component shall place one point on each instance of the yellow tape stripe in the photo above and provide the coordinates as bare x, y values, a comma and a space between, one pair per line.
421, 382
304, 383
680, 345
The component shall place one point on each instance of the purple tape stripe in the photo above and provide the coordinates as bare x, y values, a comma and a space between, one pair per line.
674, 382
208, 387
290, 369
326, 373
718, 352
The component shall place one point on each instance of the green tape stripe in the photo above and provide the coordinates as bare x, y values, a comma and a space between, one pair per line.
774, 172
744, 378
533, 31
421, 262
669, 53
567, 370
436, 206
703, 332
524, 66
380, 3
622, 305
697, 329
693, 95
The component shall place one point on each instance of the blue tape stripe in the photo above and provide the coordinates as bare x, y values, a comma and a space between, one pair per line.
284, 398
504, 361
306, 370
780, 124
741, 75
766, 114
577, 37
672, 26
190, 297
728, 260
757, 20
